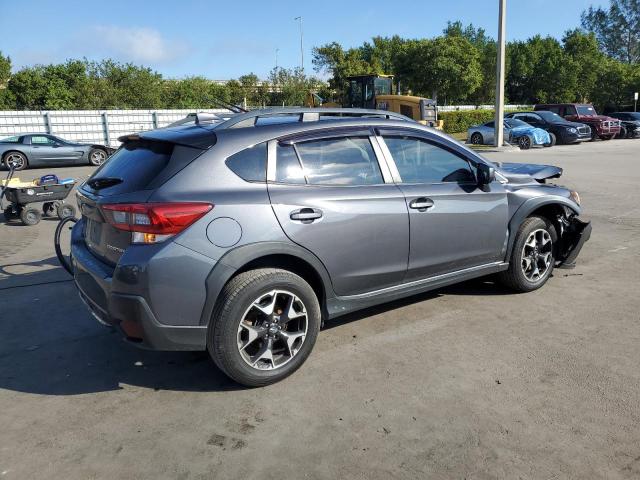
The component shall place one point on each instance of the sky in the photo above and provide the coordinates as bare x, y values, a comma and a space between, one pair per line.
223, 40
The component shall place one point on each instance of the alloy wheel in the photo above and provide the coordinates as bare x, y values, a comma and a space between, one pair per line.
98, 157
14, 159
537, 255
272, 330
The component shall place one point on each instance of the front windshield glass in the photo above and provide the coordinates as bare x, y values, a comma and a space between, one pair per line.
13, 139
586, 110
551, 117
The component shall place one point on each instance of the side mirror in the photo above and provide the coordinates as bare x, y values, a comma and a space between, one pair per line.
486, 174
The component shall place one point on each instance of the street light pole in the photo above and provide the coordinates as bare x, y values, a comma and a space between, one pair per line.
301, 44
499, 118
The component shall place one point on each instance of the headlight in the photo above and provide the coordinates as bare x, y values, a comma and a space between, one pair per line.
31, 191
573, 130
574, 196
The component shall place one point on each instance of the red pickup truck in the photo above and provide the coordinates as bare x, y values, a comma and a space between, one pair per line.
601, 126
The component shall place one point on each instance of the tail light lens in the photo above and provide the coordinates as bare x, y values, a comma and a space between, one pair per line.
153, 222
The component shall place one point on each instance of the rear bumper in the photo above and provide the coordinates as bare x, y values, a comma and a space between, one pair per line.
131, 314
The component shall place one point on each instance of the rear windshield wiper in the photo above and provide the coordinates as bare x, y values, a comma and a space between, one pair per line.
104, 182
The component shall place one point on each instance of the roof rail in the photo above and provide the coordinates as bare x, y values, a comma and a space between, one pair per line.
304, 114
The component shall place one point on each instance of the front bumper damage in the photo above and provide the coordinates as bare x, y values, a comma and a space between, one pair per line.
573, 234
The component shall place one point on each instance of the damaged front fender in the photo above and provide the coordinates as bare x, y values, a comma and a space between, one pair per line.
573, 235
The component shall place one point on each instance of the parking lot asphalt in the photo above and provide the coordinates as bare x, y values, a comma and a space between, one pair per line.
469, 381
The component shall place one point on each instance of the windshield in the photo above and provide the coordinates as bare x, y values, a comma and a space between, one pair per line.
550, 116
13, 139
586, 110
514, 122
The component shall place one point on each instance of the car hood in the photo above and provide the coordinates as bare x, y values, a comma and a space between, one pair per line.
597, 118
519, 172
567, 124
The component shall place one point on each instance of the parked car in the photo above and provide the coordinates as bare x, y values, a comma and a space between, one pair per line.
630, 121
560, 130
41, 149
515, 131
242, 238
601, 126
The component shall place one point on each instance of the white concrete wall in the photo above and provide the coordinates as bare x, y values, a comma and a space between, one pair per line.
89, 126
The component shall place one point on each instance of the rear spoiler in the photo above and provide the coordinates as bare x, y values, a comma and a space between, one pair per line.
196, 136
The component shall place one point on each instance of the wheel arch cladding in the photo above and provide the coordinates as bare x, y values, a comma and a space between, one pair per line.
282, 255
547, 207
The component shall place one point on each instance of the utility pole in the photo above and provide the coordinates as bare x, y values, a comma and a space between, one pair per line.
498, 137
301, 45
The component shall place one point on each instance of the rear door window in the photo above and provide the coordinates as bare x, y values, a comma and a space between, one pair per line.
288, 168
340, 161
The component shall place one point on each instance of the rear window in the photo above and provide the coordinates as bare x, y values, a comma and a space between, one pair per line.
137, 164
14, 139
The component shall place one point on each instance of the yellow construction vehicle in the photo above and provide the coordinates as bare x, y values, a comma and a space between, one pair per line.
376, 91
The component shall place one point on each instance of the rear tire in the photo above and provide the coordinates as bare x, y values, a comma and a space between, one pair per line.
30, 216
97, 156
251, 345
524, 142
529, 255
553, 140
18, 159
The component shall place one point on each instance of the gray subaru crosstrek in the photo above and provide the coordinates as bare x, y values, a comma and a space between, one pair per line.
241, 237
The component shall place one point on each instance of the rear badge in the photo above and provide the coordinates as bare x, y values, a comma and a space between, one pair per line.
115, 249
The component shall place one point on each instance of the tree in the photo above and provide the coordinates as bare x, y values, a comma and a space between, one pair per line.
446, 68
333, 59
488, 51
539, 72
585, 60
5, 70
617, 29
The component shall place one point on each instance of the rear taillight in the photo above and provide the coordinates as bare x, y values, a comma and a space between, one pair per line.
153, 222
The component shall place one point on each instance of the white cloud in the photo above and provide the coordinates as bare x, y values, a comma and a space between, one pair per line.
137, 44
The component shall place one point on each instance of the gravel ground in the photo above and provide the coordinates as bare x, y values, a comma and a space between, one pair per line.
469, 381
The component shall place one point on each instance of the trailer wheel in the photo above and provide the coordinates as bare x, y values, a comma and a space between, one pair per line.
65, 210
49, 209
30, 216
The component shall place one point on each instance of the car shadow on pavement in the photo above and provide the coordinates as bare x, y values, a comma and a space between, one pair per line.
52, 346
481, 286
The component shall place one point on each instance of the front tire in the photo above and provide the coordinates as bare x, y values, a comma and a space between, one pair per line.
533, 256
264, 326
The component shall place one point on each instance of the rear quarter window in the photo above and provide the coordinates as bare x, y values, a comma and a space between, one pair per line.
250, 164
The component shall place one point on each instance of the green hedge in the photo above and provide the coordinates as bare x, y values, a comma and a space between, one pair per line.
461, 120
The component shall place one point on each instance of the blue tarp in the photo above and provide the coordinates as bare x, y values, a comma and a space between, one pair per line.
540, 136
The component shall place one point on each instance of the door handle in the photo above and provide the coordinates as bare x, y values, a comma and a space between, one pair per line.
421, 204
306, 215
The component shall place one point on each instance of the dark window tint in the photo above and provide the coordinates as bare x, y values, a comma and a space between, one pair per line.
340, 161
137, 164
250, 164
490, 124
288, 169
406, 110
421, 162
